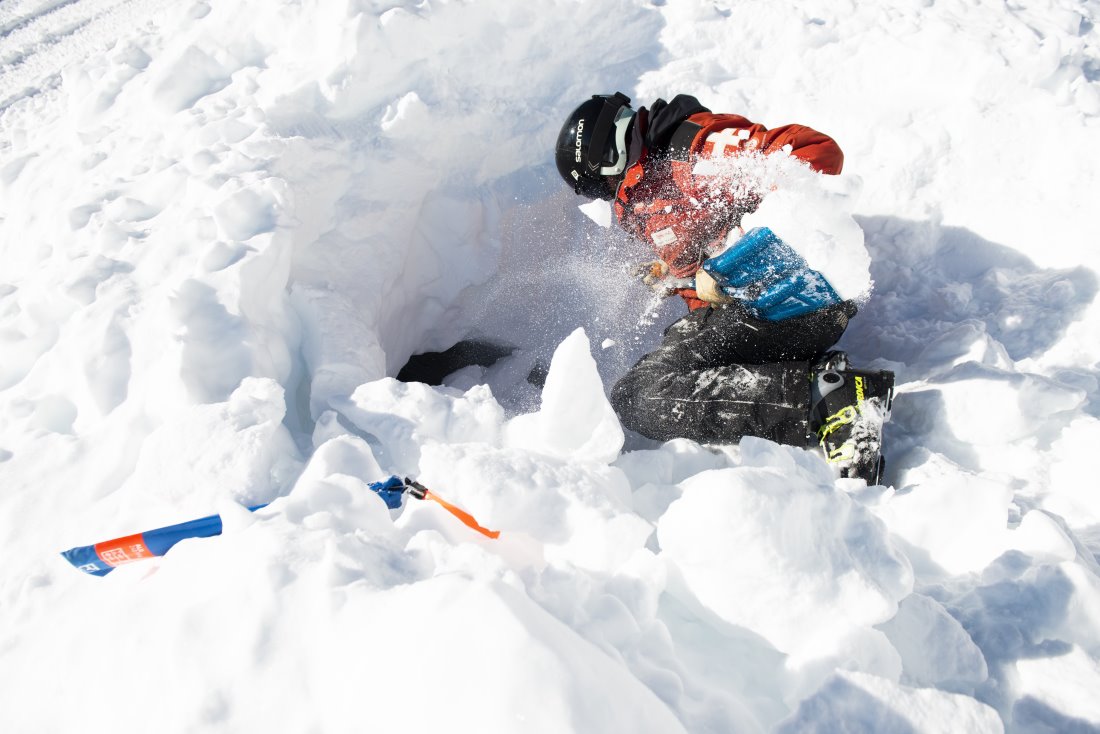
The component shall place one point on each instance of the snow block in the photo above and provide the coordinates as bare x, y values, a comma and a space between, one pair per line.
576, 421
403, 417
971, 527
935, 649
860, 703
785, 554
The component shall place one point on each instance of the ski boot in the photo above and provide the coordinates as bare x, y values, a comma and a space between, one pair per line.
848, 410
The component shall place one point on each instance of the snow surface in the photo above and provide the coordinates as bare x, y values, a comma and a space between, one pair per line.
225, 226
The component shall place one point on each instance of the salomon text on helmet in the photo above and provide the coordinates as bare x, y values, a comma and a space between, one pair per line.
592, 145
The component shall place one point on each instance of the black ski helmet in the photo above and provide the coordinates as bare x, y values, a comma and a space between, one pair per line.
592, 145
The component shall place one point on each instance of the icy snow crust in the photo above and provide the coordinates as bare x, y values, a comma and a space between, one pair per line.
223, 227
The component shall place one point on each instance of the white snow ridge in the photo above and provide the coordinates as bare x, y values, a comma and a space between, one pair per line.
225, 227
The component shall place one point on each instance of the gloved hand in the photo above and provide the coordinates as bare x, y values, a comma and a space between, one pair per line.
707, 289
655, 274
651, 273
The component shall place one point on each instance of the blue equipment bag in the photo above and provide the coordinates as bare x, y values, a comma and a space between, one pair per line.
768, 276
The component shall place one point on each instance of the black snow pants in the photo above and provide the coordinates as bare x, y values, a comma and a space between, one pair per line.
720, 374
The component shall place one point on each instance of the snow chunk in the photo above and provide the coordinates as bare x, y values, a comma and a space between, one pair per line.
810, 211
184, 80
246, 213
1073, 492
404, 416
971, 514
332, 490
238, 449
1066, 683
986, 405
409, 111
815, 219
860, 703
935, 649
524, 669
1041, 537
598, 210
780, 550
578, 512
576, 421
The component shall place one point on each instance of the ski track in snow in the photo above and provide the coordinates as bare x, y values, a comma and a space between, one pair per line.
222, 225
38, 40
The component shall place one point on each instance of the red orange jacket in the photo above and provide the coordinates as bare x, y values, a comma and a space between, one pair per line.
664, 201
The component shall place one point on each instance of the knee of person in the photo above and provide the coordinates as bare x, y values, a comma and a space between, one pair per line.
624, 401
621, 396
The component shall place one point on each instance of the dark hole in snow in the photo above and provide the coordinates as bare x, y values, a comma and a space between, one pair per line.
431, 367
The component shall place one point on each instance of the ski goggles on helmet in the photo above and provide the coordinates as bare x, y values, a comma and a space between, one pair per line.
593, 147
612, 127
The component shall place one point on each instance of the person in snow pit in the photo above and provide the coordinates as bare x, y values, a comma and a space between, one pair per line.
752, 356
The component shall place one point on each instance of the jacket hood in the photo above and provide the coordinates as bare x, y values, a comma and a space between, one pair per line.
662, 119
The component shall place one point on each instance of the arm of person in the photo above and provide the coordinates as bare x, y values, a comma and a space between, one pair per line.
818, 149
729, 135
680, 229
